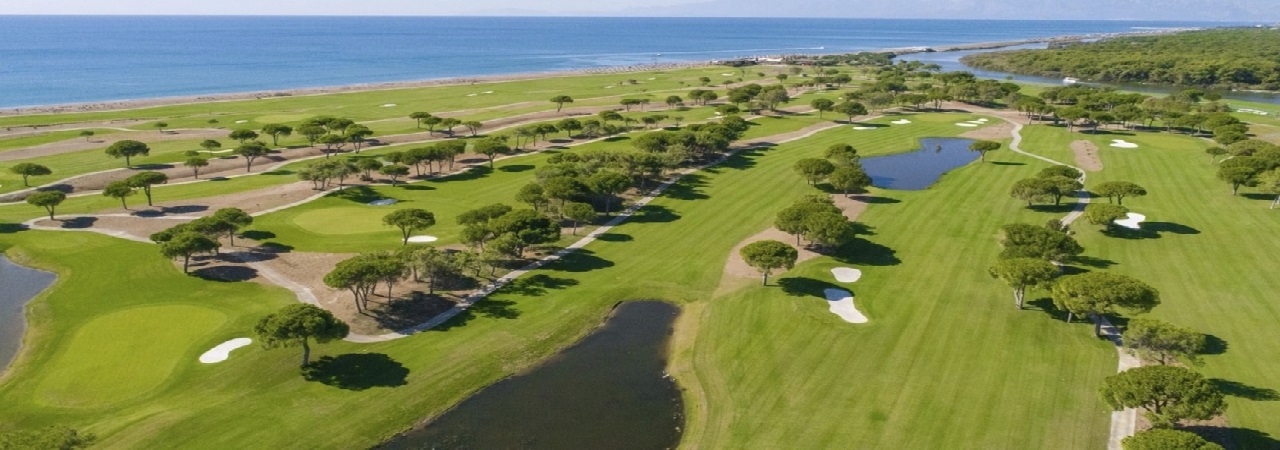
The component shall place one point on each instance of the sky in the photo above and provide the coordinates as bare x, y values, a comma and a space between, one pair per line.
1191, 10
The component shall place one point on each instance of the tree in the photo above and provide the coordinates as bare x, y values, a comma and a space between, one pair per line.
983, 147
560, 100
842, 154
357, 135
195, 164
822, 105
185, 244
848, 179
1163, 342
120, 190
419, 116
829, 229
276, 130
1099, 293
1060, 186
568, 126
579, 213
1119, 190
1241, 171
1029, 241
1060, 171
674, 101
1214, 153
532, 194
231, 221
563, 188
473, 127
814, 169
332, 143
409, 220
394, 171
795, 219
1032, 190
768, 256
145, 180
1104, 214
449, 123
1169, 394
210, 144
851, 109
297, 325
27, 169
491, 147
1022, 273
608, 183
86, 134
243, 135
1269, 183
1166, 439
250, 152
526, 227
368, 165
47, 200
54, 437
312, 133
160, 126
127, 149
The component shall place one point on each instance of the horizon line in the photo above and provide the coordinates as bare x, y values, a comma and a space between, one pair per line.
607, 16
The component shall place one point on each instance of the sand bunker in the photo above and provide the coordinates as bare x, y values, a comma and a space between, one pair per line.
471, 95
1132, 221
389, 105
487, 92
422, 239
726, 74
967, 125
840, 302
383, 202
901, 122
223, 351
1121, 143
982, 120
215, 152
242, 121
846, 274
864, 128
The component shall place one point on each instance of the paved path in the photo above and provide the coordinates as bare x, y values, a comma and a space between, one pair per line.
1123, 423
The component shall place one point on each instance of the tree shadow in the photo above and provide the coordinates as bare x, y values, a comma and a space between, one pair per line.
876, 199
358, 194
689, 188
10, 228
615, 237
537, 284
1007, 163
806, 287
63, 188
226, 274
1045, 305
357, 371
1055, 209
474, 173
654, 214
1234, 438
742, 160
1241, 390
864, 252
515, 168
183, 209
416, 187
580, 261
275, 247
1214, 345
258, 235
1169, 227
1093, 262
78, 223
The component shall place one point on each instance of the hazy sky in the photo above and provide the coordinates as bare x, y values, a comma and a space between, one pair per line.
1190, 10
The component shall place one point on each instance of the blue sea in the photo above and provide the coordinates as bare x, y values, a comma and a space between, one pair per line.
70, 59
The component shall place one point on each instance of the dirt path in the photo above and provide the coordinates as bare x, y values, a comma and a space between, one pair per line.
1086, 155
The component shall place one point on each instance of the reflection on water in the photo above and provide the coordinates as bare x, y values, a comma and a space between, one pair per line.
18, 285
609, 391
918, 170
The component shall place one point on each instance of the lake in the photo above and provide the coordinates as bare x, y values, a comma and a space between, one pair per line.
18, 285
917, 170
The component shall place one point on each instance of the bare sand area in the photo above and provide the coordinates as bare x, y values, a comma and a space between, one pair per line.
1086, 155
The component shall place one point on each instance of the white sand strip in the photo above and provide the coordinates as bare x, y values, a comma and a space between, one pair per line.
864, 128
1121, 143
221, 352
840, 302
846, 274
242, 121
422, 239
389, 105
967, 125
215, 152
901, 122
1132, 221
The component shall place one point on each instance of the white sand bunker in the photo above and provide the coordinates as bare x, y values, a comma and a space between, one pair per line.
1132, 221
864, 128
215, 152
967, 125
422, 239
389, 105
242, 121
982, 120
223, 351
726, 74
840, 302
901, 122
1121, 143
471, 95
383, 202
846, 274
610, 87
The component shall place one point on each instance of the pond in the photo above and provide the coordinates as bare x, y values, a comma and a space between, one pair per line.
608, 391
917, 170
18, 285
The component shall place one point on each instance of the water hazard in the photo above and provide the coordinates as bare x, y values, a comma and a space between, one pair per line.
18, 285
608, 391
918, 170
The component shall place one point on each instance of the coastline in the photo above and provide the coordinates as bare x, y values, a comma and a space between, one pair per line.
127, 104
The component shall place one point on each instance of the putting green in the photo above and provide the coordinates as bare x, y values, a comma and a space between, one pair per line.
125, 354
342, 220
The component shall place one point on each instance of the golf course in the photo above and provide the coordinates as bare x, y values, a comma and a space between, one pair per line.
924, 348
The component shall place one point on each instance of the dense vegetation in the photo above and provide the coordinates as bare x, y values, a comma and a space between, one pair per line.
1231, 58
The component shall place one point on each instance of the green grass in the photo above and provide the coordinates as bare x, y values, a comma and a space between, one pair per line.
23, 141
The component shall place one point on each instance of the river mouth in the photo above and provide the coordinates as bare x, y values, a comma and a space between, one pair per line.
610, 391
18, 285
917, 170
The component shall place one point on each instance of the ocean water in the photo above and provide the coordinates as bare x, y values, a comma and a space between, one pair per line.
65, 59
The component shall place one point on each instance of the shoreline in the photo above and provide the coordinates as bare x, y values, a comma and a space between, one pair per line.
128, 104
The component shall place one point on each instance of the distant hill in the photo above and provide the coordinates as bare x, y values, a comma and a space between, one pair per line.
1191, 10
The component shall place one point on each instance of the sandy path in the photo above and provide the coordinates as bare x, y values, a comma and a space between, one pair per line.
996, 131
